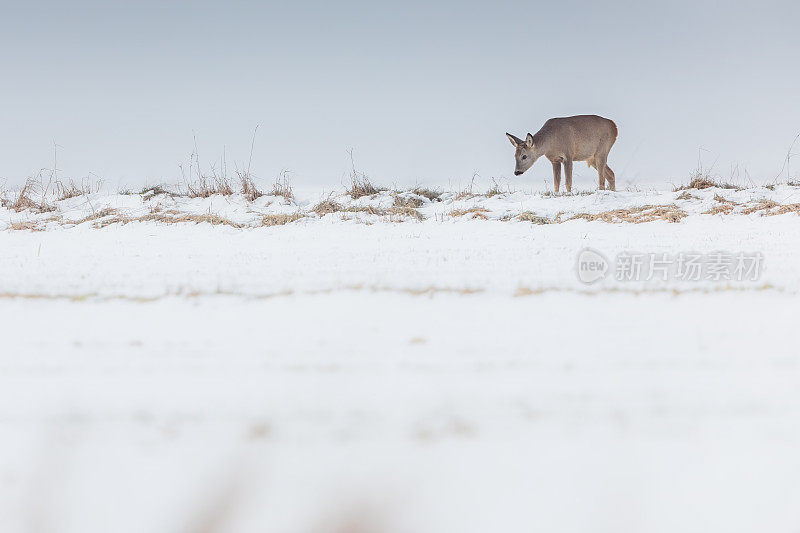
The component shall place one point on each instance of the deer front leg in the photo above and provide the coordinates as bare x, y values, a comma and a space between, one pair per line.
556, 175
568, 174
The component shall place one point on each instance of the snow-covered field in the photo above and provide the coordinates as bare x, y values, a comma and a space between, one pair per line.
401, 364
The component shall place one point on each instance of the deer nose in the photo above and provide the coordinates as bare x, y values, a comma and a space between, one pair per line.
517, 173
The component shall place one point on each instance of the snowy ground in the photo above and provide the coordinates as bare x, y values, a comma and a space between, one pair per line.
377, 371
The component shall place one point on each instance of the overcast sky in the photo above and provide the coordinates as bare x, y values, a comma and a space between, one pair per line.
423, 91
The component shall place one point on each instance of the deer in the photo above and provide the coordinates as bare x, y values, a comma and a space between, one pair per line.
565, 140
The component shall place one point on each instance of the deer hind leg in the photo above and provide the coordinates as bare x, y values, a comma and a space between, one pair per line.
557, 175
600, 165
568, 174
611, 179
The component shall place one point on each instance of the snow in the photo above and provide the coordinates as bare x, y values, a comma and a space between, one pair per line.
361, 372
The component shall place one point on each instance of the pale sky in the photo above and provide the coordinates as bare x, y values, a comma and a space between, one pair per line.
422, 91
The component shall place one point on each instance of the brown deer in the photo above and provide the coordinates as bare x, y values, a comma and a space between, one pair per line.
564, 140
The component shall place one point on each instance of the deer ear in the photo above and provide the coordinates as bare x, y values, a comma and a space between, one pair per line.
529, 140
515, 141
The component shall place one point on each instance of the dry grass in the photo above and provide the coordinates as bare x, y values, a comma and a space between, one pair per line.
28, 225
103, 213
724, 200
430, 194
71, 189
282, 187
206, 186
686, 196
281, 220
368, 209
771, 208
724, 207
249, 188
405, 212
530, 216
467, 192
761, 205
636, 215
326, 207
107, 217
702, 180
476, 212
361, 186
209, 218
155, 190
26, 198
408, 201
720, 209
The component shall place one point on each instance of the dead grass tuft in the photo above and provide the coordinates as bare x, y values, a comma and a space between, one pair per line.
281, 220
636, 215
28, 225
249, 188
25, 198
530, 216
326, 207
720, 209
207, 186
408, 201
686, 196
209, 218
430, 194
724, 200
155, 190
702, 180
405, 212
368, 209
282, 187
103, 213
476, 212
771, 208
71, 189
361, 186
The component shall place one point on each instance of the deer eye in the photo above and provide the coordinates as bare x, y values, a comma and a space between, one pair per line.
524, 157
